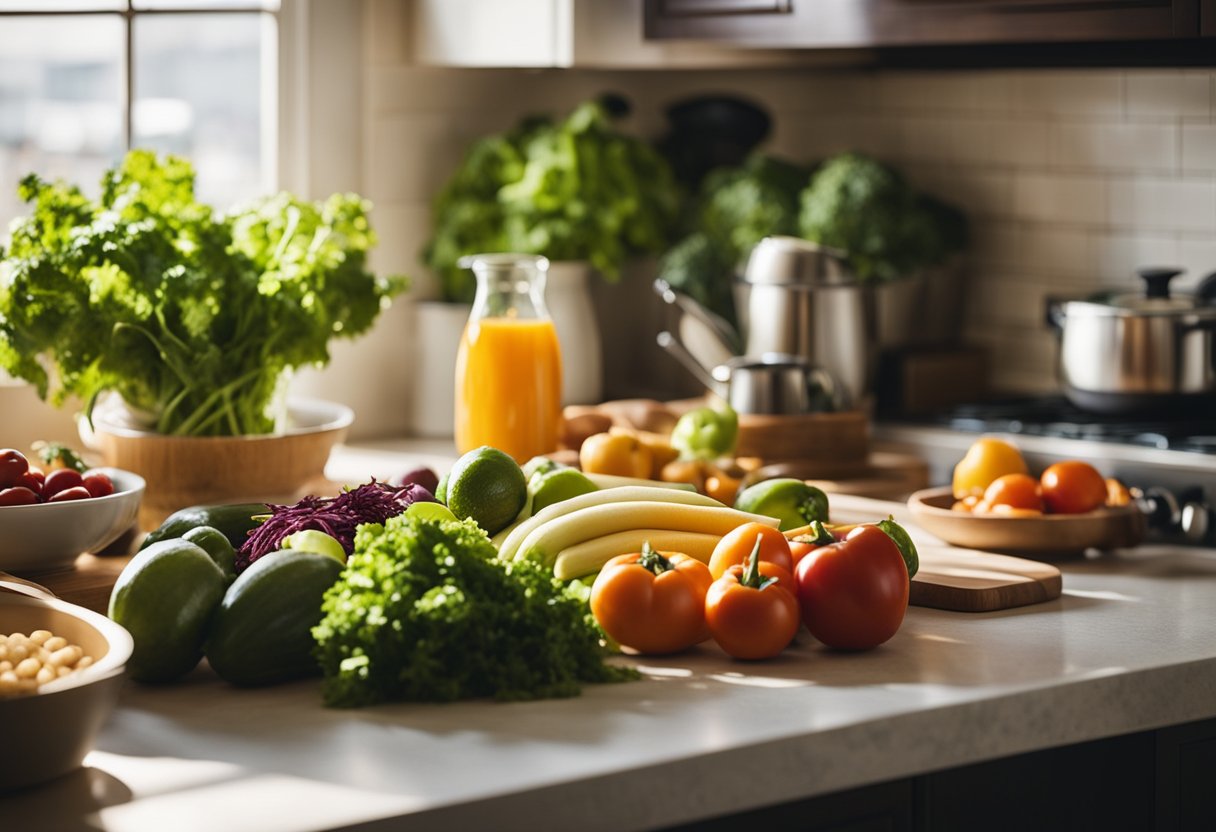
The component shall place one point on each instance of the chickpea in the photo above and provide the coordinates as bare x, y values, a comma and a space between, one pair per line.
27, 662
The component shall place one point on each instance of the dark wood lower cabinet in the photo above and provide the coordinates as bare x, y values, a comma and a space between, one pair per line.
1156, 780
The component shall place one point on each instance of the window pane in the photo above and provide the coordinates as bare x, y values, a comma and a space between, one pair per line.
198, 93
268, 5
61, 5
61, 92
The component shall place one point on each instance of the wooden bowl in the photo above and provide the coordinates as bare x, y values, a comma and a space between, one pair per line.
1048, 535
48, 733
184, 471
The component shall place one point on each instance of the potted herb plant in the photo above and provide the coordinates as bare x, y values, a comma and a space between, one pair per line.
191, 318
576, 191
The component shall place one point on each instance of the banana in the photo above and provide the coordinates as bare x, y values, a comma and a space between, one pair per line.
614, 481
545, 541
590, 556
631, 493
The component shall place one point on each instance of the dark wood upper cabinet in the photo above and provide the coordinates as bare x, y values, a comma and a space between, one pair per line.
826, 24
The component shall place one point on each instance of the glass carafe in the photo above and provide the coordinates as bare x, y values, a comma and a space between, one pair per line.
508, 367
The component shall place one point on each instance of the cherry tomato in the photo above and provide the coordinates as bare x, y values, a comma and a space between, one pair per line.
749, 615
986, 459
1014, 490
60, 479
12, 465
98, 484
854, 593
1073, 487
17, 496
76, 492
735, 547
32, 479
652, 602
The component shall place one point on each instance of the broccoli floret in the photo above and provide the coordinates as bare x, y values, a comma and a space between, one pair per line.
859, 205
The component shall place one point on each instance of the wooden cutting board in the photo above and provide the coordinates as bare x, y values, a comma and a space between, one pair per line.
968, 580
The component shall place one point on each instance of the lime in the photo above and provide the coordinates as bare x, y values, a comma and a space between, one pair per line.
540, 465
314, 540
488, 486
441, 490
558, 485
429, 511
165, 597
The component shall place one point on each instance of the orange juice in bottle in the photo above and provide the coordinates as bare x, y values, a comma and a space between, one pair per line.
508, 367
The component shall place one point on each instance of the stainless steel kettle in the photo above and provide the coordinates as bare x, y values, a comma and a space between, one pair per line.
799, 298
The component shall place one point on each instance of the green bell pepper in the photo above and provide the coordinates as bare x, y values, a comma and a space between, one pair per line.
793, 502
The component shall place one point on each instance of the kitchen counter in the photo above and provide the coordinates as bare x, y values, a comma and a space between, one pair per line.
1128, 647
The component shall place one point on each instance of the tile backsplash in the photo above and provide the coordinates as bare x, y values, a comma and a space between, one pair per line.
1071, 178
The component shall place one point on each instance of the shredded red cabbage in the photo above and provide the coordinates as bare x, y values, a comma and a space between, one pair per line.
338, 517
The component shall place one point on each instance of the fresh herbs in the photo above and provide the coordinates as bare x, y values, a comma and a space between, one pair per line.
338, 517
425, 612
190, 316
574, 190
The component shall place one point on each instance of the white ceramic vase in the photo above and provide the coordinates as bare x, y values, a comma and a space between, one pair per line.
568, 298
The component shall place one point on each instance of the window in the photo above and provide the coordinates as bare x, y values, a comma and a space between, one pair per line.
81, 81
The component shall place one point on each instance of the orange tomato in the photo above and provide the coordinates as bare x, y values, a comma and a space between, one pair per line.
737, 545
652, 602
748, 618
1072, 487
986, 459
1014, 490
1117, 494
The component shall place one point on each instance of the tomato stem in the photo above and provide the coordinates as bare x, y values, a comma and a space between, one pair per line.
819, 535
653, 560
751, 576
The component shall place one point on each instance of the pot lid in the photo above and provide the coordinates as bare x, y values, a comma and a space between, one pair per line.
1156, 299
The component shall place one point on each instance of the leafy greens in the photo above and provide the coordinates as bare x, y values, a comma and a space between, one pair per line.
572, 190
192, 317
425, 612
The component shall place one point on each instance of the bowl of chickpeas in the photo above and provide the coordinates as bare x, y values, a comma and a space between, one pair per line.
61, 667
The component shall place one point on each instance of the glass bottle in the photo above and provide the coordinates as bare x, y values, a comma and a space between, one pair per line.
508, 366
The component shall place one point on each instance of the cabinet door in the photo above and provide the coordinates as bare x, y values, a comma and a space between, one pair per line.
861, 23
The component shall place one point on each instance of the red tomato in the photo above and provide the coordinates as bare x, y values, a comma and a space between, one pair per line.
1073, 487
737, 545
652, 602
854, 593
60, 479
750, 622
12, 465
98, 484
17, 496
76, 492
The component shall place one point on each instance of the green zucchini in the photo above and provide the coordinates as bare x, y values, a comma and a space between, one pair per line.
262, 631
235, 521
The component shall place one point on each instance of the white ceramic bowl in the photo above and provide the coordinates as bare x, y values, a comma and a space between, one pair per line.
47, 734
51, 535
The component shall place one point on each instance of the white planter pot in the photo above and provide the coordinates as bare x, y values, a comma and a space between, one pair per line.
437, 330
568, 297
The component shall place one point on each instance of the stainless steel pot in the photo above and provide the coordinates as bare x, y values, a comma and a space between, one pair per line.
794, 298
1132, 352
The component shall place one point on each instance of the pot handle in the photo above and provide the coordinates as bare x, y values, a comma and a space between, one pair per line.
673, 345
1206, 290
1053, 314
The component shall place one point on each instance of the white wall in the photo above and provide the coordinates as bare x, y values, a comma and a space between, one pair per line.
1072, 178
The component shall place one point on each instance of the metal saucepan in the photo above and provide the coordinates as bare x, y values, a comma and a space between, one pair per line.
1139, 351
772, 383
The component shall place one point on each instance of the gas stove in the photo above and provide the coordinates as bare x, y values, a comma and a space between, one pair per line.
1172, 459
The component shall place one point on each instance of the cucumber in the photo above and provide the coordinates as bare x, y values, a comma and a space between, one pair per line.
166, 597
262, 631
234, 521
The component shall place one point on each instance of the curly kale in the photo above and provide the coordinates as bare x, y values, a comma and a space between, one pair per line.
859, 205
424, 612
190, 316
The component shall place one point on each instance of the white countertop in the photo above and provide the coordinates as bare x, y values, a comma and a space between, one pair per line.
1129, 646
